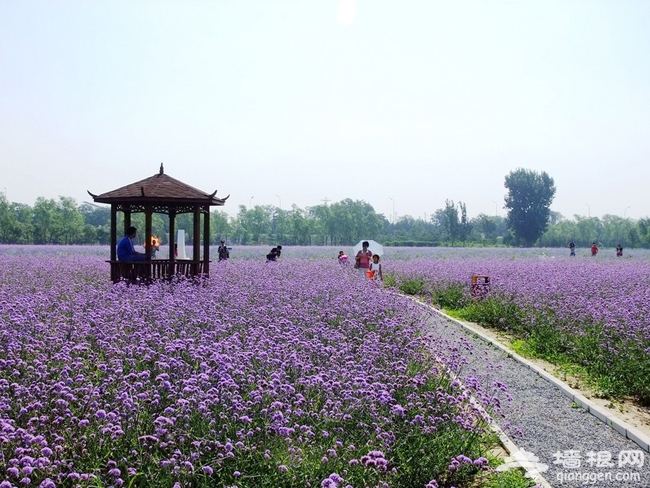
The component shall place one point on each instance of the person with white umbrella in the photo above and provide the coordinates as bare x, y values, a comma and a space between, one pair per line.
373, 246
362, 259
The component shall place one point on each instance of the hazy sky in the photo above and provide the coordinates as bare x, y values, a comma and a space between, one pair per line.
402, 104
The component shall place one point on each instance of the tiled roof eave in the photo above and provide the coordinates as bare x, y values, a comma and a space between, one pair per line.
139, 200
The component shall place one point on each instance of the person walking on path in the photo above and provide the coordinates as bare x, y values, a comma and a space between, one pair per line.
362, 259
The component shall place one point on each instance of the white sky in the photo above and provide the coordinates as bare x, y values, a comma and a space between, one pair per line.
281, 102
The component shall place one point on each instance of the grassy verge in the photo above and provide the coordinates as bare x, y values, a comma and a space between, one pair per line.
611, 361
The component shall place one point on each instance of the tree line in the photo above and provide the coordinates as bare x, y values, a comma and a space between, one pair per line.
344, 223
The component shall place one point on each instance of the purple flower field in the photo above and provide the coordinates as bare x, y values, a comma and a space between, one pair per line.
593, 311
295, 373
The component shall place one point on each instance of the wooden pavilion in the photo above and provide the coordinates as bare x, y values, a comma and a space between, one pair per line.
163, 194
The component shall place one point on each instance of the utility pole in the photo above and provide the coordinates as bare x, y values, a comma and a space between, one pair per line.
325, 200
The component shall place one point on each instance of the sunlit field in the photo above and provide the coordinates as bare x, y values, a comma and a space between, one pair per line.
592, 313
295, 373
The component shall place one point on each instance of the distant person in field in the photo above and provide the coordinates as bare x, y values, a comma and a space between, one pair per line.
125, 249
594, 249
343, 258
572, 248
278, 251
375, 268
273, 255
223, 251
619, 250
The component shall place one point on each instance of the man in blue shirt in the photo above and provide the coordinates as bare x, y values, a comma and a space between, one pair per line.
125, 249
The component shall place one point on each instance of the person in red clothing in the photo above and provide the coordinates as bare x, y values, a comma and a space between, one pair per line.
594, 249
363, 258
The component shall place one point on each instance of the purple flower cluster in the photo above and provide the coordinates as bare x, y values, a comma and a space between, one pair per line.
277, 371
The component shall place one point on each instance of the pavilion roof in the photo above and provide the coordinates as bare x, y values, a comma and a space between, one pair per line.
159, 189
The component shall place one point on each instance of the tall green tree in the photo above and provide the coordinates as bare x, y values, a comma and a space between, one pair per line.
8, 221
24, 230
220, 227
528, 202
95, 215
324, 223
486, 227
72, 228
588, 229
447, 218
47, 221
300, 226
464, 226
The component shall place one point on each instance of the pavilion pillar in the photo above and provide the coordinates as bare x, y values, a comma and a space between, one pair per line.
147, 231
196, 241
127, 218
206, 240
113, 232
172, 239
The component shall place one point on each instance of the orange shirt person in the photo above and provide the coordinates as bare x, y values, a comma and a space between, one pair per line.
155, 246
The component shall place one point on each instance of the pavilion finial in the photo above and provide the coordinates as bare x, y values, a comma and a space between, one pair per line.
162, 170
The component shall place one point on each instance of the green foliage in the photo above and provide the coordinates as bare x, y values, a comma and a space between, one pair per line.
464, 226
496, 312
412, 286
486, 227
390, 280
341, 223
346, 222
528, 201
450, 295
514, 478
448, 220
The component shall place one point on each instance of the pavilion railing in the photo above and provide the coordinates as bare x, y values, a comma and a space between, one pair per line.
156, 269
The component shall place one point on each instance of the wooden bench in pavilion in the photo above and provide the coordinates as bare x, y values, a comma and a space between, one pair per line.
161, 194
156, 269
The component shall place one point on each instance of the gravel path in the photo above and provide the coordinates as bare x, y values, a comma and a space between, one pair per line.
542, 420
